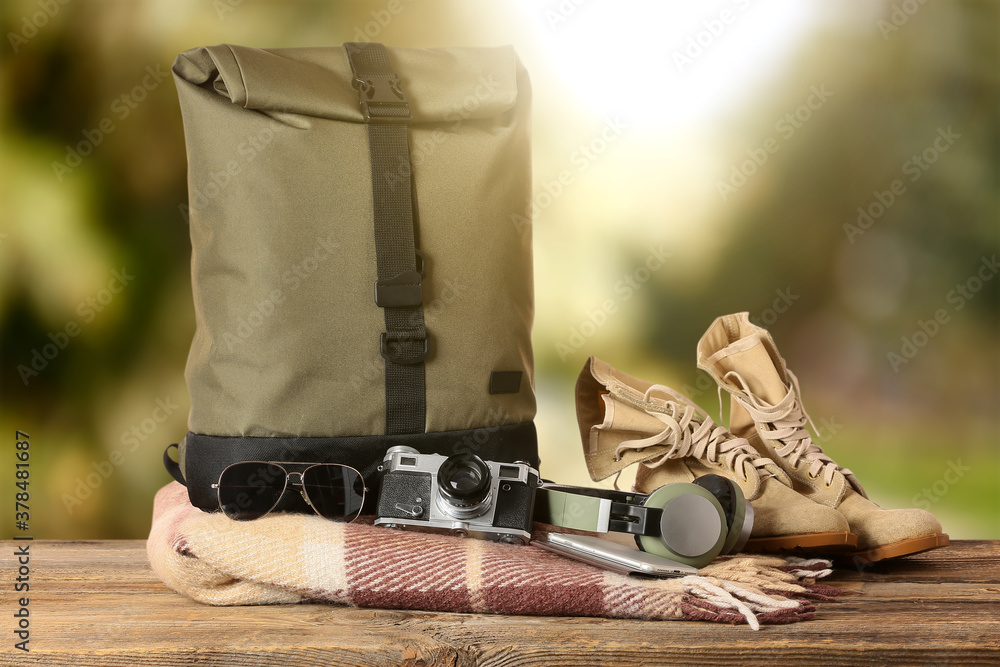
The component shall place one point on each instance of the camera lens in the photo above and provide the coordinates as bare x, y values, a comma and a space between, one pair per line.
464, 480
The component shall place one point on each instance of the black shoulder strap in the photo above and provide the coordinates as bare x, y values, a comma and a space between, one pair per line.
399, 288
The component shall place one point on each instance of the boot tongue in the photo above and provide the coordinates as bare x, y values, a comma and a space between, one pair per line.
753, 355
758, 370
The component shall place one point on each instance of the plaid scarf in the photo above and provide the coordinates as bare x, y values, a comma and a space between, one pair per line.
292, 558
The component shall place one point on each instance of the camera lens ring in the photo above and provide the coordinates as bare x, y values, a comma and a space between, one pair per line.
464, 481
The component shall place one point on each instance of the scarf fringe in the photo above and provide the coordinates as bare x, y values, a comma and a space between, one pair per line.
758, 588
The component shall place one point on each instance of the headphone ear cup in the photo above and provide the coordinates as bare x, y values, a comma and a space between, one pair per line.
693, 528
739, 512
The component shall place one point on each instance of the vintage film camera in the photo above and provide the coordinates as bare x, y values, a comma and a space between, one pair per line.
459, 494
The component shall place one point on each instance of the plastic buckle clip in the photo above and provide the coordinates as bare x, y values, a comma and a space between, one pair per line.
398, 340
382, 100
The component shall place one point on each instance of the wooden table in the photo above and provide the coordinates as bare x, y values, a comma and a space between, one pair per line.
98, 603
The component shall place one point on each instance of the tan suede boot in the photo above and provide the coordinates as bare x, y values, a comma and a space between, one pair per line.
767, 410
625, 421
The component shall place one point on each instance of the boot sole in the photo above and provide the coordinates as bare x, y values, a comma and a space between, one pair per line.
908, 547
806, 543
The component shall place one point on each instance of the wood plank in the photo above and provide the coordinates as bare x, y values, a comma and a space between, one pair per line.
98, 603
948, 564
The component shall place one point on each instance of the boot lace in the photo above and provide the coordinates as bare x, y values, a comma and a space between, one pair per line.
690, 432
786, 426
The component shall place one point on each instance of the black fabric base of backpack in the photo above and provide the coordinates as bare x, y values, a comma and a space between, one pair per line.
206, 456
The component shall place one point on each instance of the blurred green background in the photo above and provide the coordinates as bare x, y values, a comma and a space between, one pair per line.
741, 140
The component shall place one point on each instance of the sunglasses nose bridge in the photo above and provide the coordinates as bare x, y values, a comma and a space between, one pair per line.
295, 478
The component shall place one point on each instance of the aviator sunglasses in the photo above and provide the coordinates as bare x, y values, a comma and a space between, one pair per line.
251, 489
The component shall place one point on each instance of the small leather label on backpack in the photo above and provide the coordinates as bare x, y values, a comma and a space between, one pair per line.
505, 382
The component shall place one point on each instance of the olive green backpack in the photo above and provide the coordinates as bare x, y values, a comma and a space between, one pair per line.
361, 260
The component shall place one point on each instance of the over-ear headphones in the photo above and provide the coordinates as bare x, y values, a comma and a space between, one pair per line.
690, 523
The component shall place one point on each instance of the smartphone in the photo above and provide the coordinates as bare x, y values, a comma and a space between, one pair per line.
613, 556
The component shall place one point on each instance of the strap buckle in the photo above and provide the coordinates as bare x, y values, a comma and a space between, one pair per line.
397, 347
382, 100
400, 291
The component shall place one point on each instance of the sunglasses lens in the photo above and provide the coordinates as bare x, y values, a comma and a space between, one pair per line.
335, 491
250, 490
